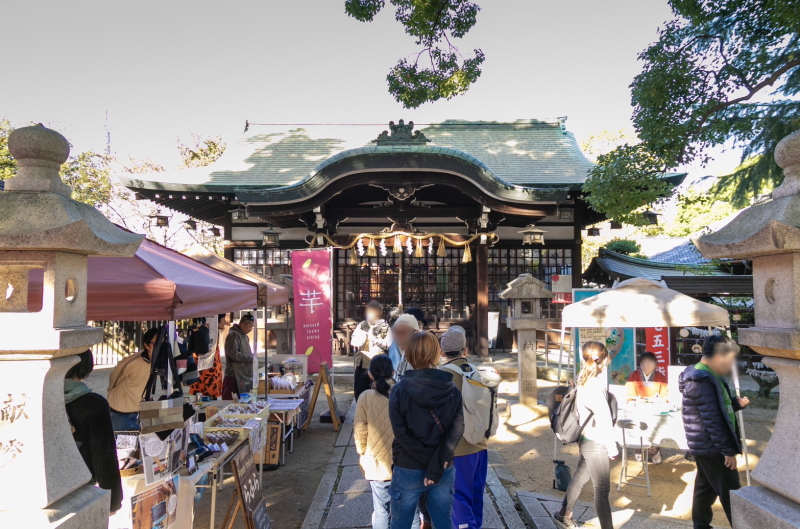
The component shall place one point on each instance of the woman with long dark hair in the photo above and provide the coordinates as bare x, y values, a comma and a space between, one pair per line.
373, 436
427, 417
597, 445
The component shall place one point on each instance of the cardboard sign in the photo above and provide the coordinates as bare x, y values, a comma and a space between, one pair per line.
313, 324
248, 486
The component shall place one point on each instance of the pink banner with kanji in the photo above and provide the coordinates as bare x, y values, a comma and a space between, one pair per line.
311, 276
657, 342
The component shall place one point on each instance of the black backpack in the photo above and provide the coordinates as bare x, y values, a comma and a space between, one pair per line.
563, 412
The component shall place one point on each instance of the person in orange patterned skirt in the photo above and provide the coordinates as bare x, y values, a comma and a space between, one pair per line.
210, 383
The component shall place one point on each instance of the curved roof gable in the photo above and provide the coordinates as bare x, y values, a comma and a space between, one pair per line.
525, 153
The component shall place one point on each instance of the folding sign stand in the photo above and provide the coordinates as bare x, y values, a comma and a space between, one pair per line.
324, 379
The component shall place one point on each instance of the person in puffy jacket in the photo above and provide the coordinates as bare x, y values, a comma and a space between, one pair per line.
712, 431
427, 417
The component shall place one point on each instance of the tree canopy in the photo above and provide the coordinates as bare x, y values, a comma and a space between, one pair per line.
439, 70
723, 72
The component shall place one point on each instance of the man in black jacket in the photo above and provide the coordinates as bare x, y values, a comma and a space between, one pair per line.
709, 418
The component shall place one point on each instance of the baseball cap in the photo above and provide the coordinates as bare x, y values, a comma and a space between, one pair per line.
454, 339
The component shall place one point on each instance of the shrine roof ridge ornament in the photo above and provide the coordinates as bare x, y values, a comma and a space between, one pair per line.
401, 134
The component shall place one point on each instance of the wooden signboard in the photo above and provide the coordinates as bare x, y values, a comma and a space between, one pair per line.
248, 490
324, 379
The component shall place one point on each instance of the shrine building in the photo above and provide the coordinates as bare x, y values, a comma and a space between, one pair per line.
438, 216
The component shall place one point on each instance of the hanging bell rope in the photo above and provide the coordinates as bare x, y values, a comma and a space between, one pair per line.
371, 251
398, 244
353, 256
441, 251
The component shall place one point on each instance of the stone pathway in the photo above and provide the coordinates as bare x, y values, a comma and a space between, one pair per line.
538, 509
343, 498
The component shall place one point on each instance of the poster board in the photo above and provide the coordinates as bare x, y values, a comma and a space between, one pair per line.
156, 507
248, 487
313, 316
324, 379
620, 341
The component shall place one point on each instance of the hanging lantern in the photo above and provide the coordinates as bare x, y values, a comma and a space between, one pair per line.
159, 220
353, 256
398, 244
650, 217
382, 246
371, 251
441, 251
467, 257
190, 225
593, 232
420, 251
409, 246
240, 213
565, 213
532, 235
270, 238
614, 225
215, 231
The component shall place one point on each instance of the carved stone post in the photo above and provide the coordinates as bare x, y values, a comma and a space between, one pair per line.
769, 234
43, 480
526, 294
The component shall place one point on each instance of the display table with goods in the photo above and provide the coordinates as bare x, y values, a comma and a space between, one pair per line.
285, 413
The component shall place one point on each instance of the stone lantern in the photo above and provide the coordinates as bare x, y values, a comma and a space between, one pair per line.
43, 481
769, 234
525, 318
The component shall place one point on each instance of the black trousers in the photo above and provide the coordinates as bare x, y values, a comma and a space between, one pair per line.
714, 480
361, 381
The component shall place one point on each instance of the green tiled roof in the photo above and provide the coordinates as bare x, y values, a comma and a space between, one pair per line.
621, 266
524, 153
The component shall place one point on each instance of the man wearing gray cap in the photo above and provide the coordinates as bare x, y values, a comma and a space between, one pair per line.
471, 460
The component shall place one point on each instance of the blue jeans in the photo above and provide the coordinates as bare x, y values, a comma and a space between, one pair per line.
125, 422
381, 506
470, 484
406, 489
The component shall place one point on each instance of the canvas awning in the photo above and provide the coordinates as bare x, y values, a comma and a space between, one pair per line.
156, 284
269, 293
643, 303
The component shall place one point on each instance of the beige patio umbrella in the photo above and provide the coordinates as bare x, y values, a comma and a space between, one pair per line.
641, 302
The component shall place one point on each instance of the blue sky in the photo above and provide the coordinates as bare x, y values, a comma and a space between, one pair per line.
163, 70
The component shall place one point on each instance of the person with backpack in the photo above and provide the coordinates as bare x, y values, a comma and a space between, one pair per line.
712, 431
90, 418
426, 412
595, 440
471, 459
373, 435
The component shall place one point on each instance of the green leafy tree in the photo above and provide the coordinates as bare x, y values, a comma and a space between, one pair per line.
624, 246
439, 70
87, 173
722, 71
696, 211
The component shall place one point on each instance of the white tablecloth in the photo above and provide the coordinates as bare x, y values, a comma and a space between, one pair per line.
664, 429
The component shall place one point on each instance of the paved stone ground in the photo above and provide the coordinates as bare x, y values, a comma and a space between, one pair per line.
538, 509
343, 499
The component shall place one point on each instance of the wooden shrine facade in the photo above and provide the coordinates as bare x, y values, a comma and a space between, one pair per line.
439, 186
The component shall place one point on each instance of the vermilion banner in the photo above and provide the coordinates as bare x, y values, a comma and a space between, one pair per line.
657, 341
311, 275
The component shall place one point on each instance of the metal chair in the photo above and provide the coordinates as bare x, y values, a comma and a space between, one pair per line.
633, 436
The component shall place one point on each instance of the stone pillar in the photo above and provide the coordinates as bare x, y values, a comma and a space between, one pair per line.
769, 234
526, 294
43, 480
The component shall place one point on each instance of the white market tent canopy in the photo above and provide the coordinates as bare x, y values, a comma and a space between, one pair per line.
643, 303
